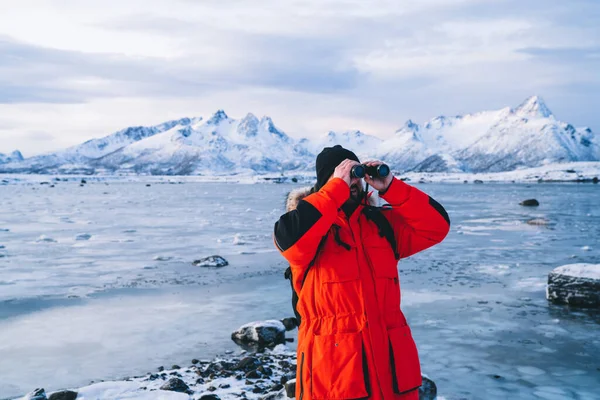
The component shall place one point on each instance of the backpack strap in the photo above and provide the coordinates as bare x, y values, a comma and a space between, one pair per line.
375, 214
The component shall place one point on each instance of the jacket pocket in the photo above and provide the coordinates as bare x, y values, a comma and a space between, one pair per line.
338, 367
404, 359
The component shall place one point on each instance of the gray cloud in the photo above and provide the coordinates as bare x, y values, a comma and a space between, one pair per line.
377, 61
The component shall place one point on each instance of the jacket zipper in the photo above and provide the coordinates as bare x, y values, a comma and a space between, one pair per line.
301, 377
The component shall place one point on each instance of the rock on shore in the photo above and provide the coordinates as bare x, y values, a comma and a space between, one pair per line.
260, 376
575, 285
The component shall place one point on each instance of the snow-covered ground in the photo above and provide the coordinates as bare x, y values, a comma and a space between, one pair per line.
97, 282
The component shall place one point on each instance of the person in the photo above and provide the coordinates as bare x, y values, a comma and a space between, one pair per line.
353, 339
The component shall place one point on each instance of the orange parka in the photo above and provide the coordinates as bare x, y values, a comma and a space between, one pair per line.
353, 341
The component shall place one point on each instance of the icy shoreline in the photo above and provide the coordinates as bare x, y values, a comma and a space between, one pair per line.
250, 376
561, 172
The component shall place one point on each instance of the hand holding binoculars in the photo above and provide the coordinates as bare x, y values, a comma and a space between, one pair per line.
375, 171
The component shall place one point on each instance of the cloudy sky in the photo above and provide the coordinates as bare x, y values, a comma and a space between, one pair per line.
71, 70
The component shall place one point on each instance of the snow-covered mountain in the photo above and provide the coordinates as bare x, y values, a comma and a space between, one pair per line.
218, 146
15, 156
488, 141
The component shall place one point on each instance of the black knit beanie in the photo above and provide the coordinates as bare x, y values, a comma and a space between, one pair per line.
328, 160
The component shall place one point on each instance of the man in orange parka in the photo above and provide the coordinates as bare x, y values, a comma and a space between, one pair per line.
353, 340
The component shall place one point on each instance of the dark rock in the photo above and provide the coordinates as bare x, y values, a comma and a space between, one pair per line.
195, 361
265, 370
575, 285
211, 261
428, 390
176, 385
224, 386
263, 333
211, 388
477, 181
290, 323
595, 179
530, 203
277, 387
286, 377
83, 181
148, 185
277, 394
290, 388
175, 366
209, 397
254, 374
259, 390
37, 394
294, 179
247, 364
153, 377
161, 369
63, 395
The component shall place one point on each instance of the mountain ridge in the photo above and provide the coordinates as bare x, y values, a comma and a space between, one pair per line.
528, 135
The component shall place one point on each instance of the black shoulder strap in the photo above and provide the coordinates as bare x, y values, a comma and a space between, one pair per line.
375, 214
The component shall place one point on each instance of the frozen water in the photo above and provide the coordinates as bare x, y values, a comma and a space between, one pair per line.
72, 311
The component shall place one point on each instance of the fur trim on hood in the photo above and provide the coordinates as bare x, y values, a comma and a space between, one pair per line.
294, 197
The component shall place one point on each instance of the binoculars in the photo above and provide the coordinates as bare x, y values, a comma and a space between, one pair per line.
379, 171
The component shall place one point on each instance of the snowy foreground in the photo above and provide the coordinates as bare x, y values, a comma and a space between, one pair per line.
246, 377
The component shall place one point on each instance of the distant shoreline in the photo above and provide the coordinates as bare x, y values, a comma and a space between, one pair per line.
573, 172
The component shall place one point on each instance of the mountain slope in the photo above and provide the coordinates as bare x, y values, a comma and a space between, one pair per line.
15, 156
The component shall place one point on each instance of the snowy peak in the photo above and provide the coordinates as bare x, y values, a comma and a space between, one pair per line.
533, 107
248, 126
217, 118
15, 156
269, 126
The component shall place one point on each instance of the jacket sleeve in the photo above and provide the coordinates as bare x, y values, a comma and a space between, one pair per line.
419, 221
298, 232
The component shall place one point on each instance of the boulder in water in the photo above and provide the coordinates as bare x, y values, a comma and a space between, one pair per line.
211, 261
263, 333
530, 203
575, 285
428, 390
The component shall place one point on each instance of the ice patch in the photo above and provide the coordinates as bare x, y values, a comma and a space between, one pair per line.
498, 270
580, 270
237, 240
83, 236
526, 370
532, 284
46, 239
